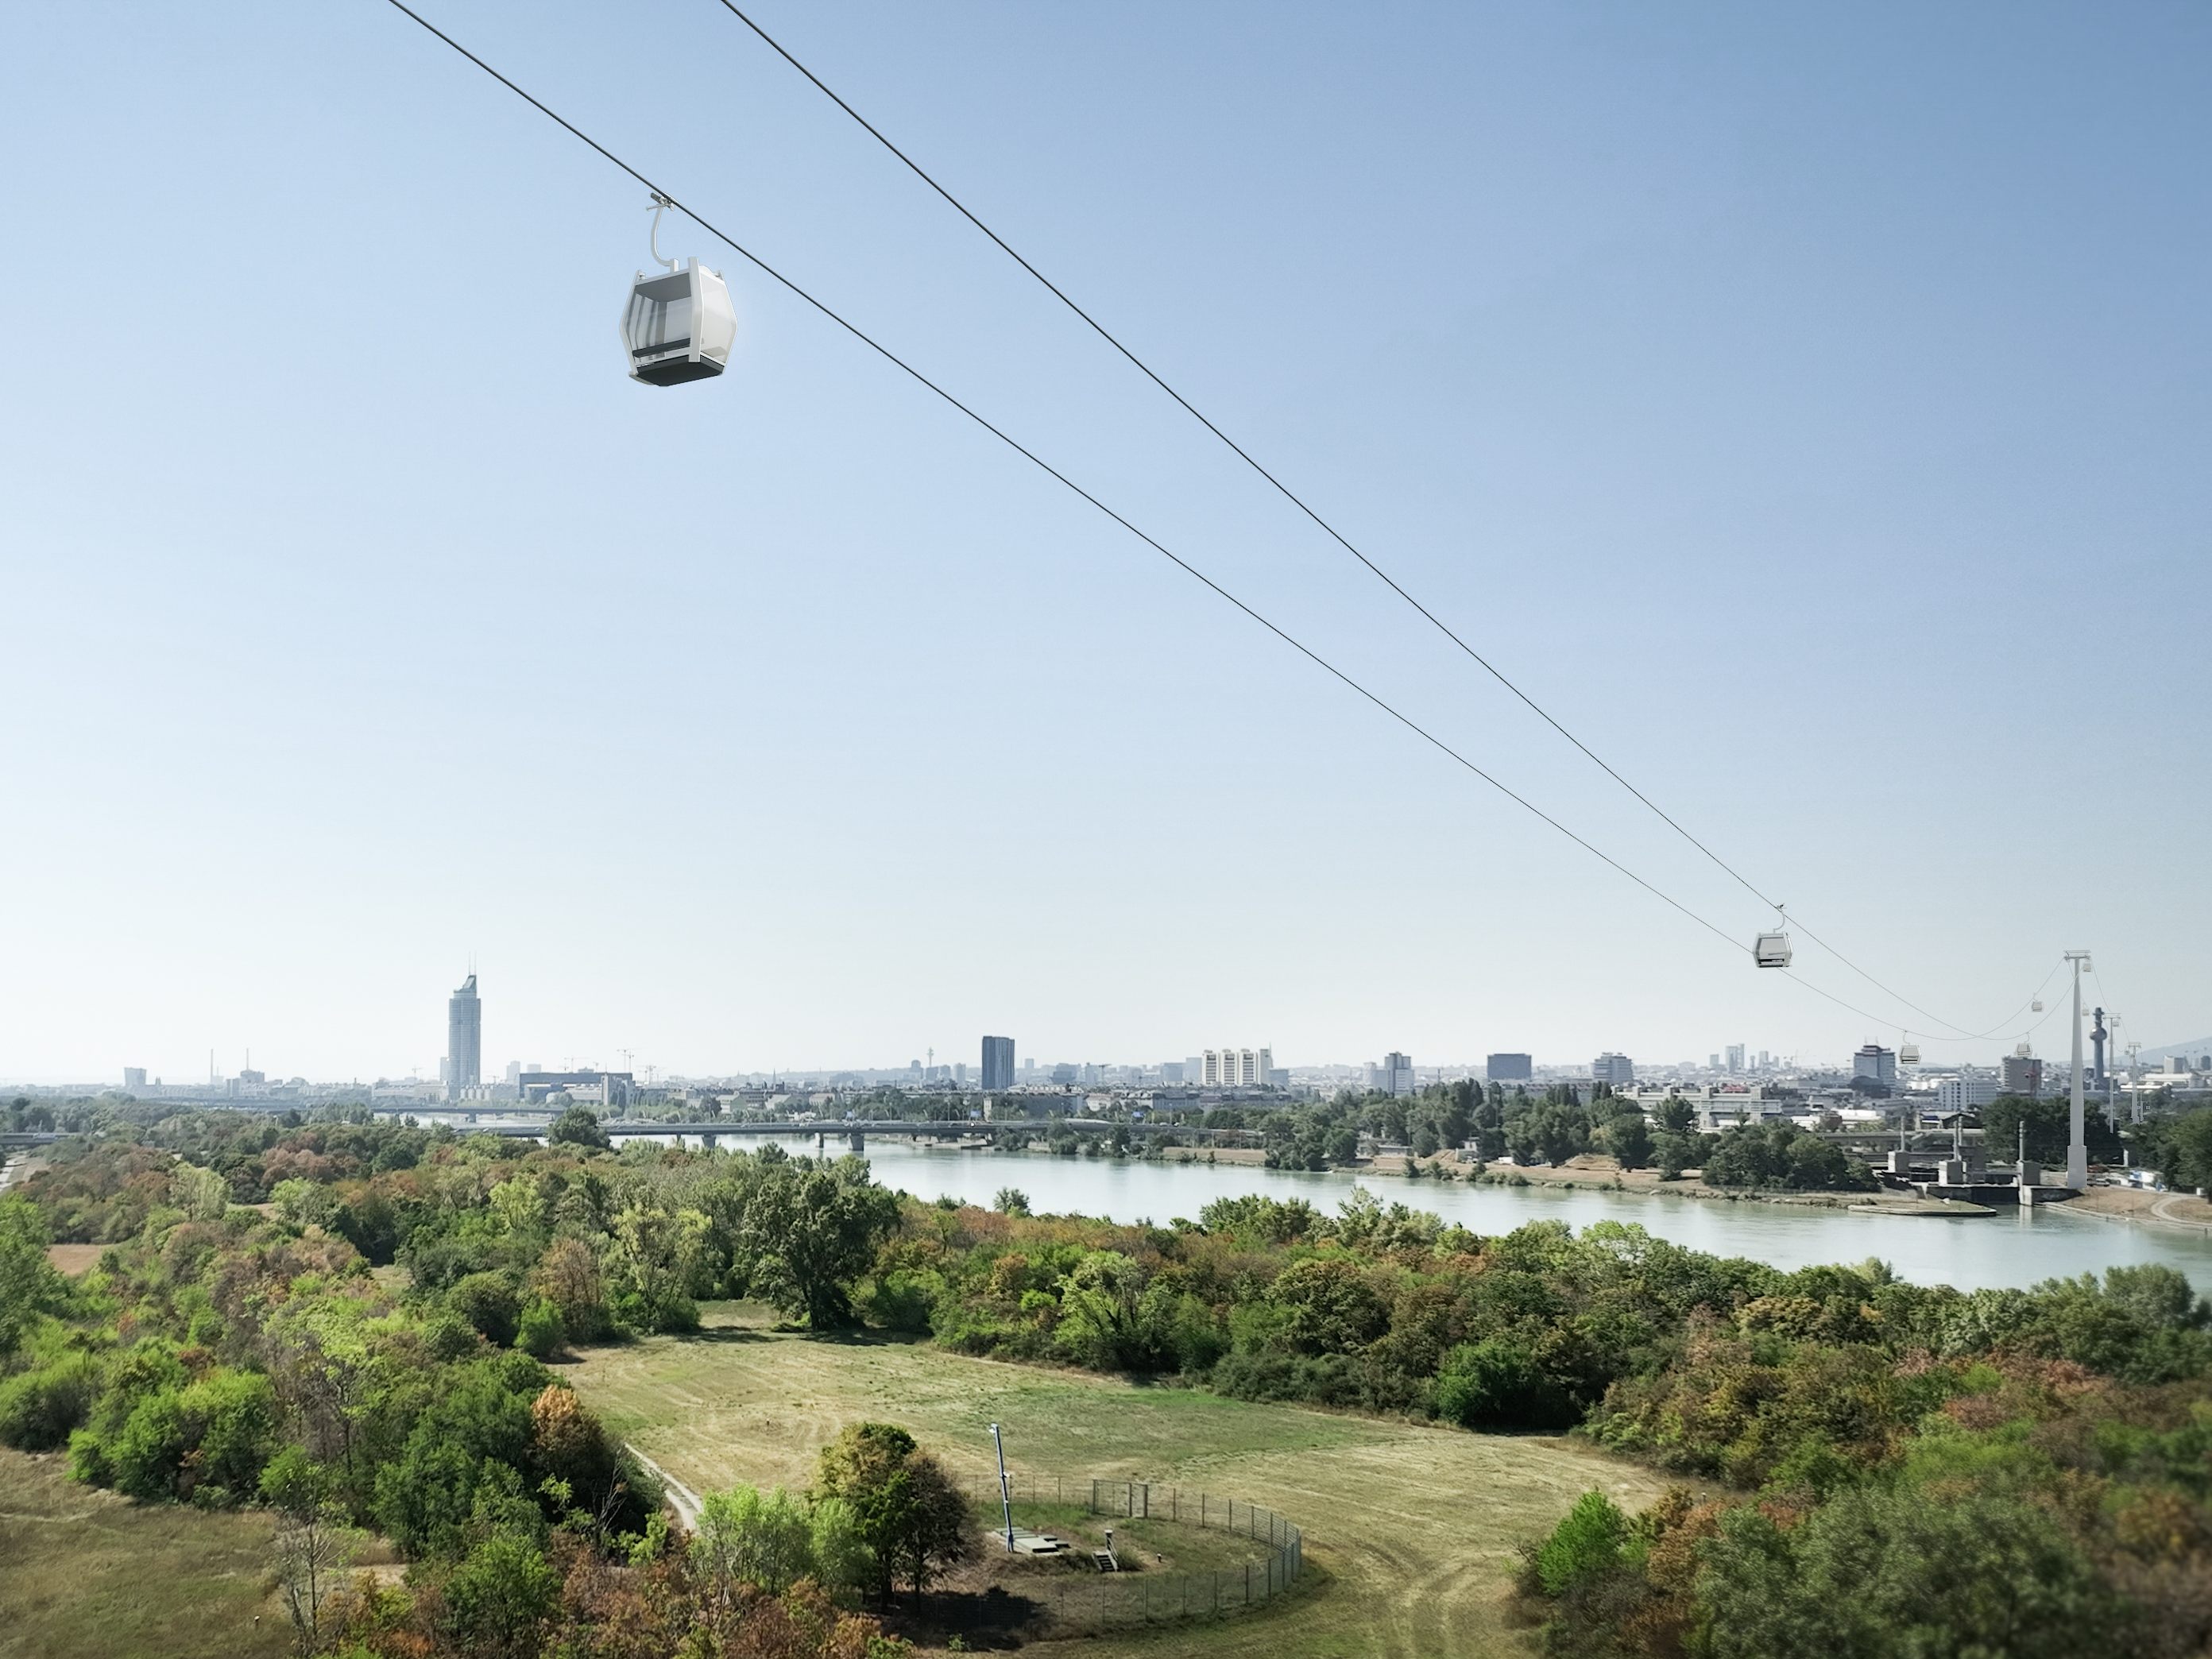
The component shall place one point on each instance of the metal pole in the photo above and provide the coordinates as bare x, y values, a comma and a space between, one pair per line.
1006, 1495
2077, 1148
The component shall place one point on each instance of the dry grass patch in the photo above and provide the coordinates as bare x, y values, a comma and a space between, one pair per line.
1409, 1529
86, 1574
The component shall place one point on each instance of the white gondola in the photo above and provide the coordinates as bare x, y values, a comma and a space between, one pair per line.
680, 326
2036, 1006
1909, 1055
1772, 950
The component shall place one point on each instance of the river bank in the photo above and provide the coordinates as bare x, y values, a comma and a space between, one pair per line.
2181, 1212
1595, 1173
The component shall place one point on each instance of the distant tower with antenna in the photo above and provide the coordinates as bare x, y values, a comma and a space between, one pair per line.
464, 1040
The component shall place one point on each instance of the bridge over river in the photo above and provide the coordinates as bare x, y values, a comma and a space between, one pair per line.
855, 1131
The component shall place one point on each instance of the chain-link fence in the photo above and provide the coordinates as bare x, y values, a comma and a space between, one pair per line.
1093, 1590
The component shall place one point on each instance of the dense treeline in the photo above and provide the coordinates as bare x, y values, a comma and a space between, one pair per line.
372, 1336
223, 1355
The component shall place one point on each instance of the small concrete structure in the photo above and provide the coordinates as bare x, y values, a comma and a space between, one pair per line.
1038, 1543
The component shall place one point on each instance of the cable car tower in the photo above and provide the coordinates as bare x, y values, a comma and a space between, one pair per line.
680, 326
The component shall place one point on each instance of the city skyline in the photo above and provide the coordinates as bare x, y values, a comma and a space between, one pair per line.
460, 1068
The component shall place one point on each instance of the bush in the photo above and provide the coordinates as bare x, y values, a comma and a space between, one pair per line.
498, 1601
489, 1303
539, 1332
1586, 1543
1498, 1384
40, 1408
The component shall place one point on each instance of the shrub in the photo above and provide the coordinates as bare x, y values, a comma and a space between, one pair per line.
1495, 1383
539, 1332
40, 1408
489, 1303
1586, 1543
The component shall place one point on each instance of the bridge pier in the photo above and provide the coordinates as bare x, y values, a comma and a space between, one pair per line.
859, 1141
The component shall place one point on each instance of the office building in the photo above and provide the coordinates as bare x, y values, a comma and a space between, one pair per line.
1874, 1064
2019, 1074
1508, 1068
998, 1064
464, 1065
1395, 1076
1617, 1071
1967, 1092
133, 1077
1734, 1052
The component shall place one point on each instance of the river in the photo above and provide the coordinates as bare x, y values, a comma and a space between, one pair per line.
2013, 1248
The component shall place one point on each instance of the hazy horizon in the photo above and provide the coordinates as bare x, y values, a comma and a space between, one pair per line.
1809, 410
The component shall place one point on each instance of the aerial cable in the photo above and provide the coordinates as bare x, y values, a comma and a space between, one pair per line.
670, 201
1043, 465
1295, 500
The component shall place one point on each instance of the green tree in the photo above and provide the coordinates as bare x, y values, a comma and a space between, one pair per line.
1586, 1542
1630, 1139
312, 1544
1877, 1573
539, 1332
499, 1600
746, 1536
811, 1229
905, 1509
1496, 1383
578, 1126
29, 1286
1011, 1200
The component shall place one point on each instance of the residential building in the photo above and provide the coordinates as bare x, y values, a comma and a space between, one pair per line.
1616, 1070
1508, 1068
998, 1064
464, 1067
2021, 1074
1734, 1056
134, 1077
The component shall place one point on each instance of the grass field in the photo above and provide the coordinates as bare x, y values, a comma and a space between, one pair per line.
86, 1574
1409, 1530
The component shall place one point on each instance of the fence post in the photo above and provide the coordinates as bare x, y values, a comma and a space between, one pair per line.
1248, 1584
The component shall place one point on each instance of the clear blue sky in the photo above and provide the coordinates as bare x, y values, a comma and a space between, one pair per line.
1812, 409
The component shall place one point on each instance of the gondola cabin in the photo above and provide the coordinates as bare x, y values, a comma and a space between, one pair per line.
678, 326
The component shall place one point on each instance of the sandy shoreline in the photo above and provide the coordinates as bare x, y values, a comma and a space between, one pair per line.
1595, 1174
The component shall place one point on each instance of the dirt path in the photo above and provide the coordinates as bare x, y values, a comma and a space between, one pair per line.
681, 1497
2185, 1212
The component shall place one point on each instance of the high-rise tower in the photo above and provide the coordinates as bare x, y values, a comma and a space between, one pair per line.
464, 1040
998, 1064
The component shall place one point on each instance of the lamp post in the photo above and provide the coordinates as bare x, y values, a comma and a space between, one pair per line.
1005, 1493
